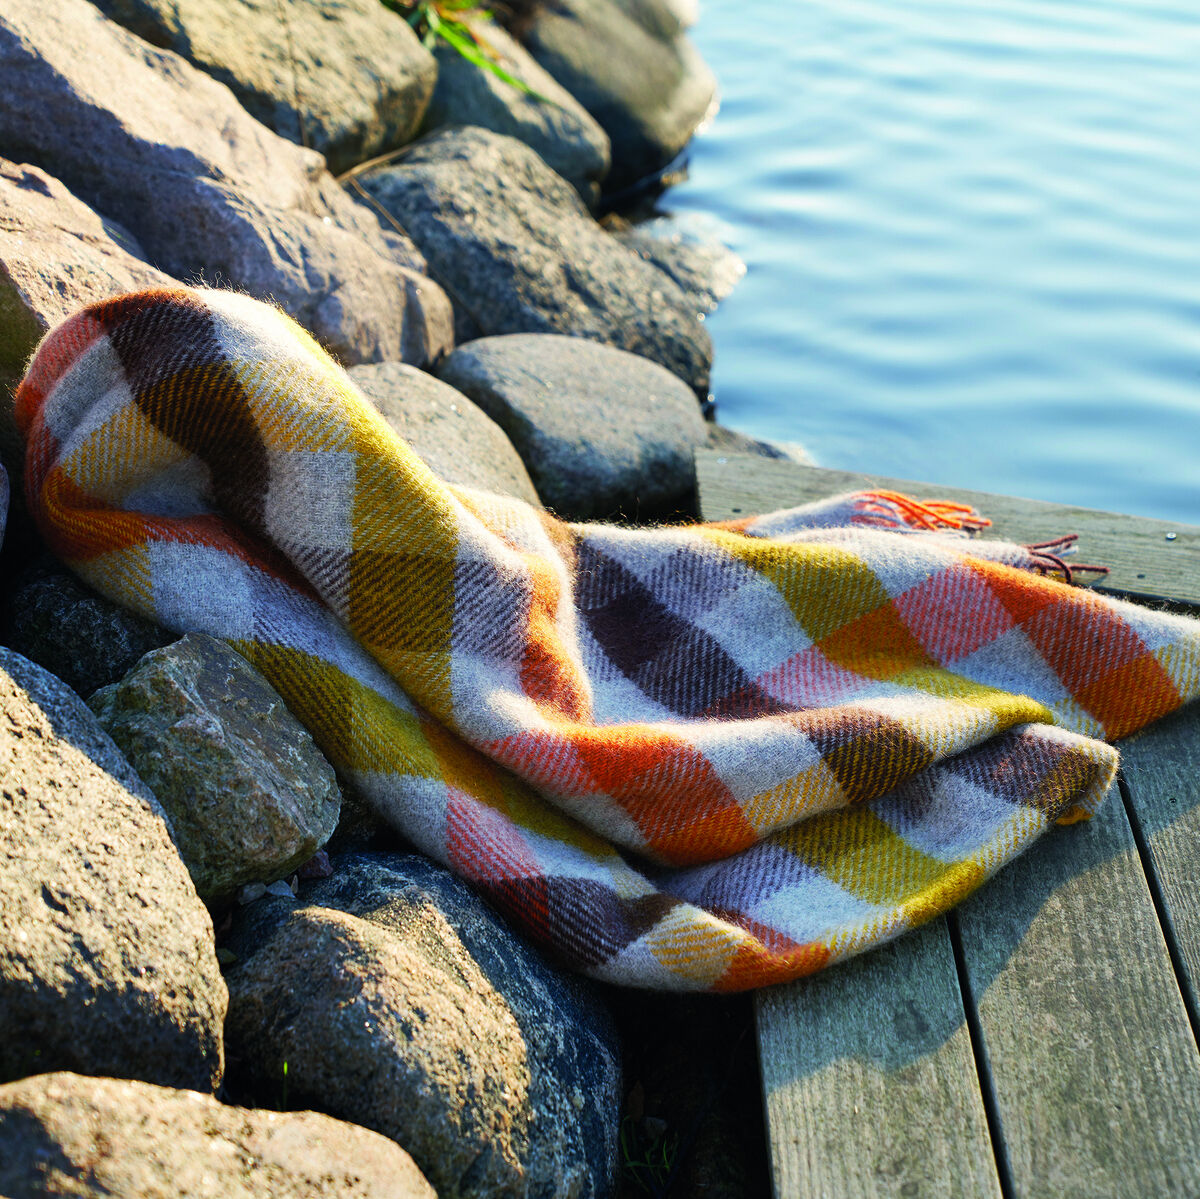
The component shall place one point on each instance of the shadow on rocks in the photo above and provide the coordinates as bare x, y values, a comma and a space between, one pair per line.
391, 996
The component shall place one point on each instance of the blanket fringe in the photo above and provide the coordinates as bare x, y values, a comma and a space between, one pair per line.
922, 514
1048, 558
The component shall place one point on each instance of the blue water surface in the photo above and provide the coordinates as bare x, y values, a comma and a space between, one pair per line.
972, 229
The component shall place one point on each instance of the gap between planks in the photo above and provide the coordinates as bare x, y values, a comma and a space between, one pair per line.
1160, 777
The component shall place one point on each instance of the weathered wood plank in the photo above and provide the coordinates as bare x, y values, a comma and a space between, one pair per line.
1161, 767
1141, 559
869, 1081
1094, 1070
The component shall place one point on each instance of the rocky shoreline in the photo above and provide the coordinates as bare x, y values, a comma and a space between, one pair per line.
191, 902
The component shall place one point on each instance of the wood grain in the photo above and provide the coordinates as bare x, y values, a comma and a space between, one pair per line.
1161, 767
1142, 561
869, 1081
1089, 1052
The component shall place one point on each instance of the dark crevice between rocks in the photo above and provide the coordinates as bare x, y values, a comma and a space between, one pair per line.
692, 1127
638, 201
517, 16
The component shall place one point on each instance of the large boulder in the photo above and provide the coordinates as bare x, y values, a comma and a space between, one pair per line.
146, 139
61, 1134
455, 438
602, 432
630, 65
399, 1001
75, 633
107, 962
552, 122
347, 78
56, 255
517, 250
247, 791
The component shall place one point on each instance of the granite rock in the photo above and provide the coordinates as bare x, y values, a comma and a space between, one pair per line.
375, 1033
63, 1134
705, 269
399, 1001
629, 64
553, 122
248, 793
107, 962
56, 255
455, 438
347, 78
211, 195
517, 251
76, 634
602, 432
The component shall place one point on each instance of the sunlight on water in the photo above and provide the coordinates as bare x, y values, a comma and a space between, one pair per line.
972, 229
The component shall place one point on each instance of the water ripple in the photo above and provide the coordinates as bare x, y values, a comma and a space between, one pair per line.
970, 227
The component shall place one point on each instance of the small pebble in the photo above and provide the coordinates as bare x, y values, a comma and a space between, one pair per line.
654, 1127
281, 888
318, 866
250, 892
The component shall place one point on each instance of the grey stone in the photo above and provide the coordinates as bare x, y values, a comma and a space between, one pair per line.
663, 18
704, 268
107, 963
631, 67
733, 442
347, 78
75, 633
455, 438
374, 1032
602, 432
62, 1134
248, 793
146, 139
555, 125
56, 255
401, 1002
514, 246
251, 892
427, 331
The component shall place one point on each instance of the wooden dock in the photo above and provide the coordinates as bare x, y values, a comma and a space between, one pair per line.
1041, 1039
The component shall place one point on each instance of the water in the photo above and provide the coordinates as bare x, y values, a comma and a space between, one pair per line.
972, 229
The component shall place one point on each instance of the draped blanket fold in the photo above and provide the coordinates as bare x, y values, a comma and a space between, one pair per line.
711, 757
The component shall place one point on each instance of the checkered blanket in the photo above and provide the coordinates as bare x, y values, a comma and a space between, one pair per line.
711, 757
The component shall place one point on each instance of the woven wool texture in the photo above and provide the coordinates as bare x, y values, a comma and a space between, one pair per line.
712, 757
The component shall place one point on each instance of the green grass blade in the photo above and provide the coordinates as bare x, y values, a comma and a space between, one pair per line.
459, 37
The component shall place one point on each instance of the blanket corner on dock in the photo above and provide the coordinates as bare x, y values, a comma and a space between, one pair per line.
712, 757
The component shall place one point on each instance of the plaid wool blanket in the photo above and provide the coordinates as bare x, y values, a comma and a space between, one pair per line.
711, 757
